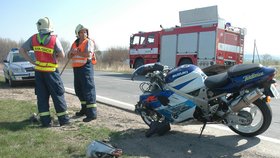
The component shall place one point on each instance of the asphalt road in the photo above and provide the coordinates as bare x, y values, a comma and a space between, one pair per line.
117, 88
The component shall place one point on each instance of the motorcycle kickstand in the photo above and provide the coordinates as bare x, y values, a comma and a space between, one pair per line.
202, 129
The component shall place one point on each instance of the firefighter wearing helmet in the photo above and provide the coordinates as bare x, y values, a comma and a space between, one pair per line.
48, 83
83, 60
44, 25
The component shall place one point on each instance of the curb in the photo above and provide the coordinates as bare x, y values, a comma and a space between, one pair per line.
107, 101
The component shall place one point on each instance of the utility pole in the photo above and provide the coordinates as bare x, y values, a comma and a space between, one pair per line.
255, 50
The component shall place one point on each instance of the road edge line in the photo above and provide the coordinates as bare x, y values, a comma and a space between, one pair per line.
130, 108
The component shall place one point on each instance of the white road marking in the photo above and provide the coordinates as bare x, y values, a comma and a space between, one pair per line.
127, 106
273, 140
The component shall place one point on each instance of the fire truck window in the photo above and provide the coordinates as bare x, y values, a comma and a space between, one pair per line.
136, 40
151, 39
142, 40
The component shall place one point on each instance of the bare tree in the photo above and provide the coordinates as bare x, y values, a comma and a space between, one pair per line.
65, 45
117, 54
266, 59
5, 46
20, 42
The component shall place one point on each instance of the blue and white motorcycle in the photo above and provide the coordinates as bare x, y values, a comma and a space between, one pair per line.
238, 98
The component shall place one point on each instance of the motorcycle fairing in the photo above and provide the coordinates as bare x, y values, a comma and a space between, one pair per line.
155, 100
178, 112
179, 72
186, 78
174, 107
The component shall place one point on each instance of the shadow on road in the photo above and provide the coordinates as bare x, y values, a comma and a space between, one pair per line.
183, 145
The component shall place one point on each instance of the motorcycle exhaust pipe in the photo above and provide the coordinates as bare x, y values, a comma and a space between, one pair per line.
246, 100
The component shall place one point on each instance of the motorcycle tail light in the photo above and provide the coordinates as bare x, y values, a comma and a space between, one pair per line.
271, 77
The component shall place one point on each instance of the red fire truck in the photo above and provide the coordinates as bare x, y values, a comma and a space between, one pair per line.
203, 39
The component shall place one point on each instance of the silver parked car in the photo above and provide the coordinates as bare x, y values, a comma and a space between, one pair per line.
17, 69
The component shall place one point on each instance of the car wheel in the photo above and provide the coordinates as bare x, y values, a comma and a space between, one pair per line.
6, 77
11, 83
138, 63
185, 61
6, 80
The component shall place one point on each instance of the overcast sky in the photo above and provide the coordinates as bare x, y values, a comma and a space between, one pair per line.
111, 22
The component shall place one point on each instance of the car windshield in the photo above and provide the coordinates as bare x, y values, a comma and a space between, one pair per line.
32, 55
17, 57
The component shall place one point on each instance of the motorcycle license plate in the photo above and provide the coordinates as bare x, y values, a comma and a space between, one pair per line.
274, 91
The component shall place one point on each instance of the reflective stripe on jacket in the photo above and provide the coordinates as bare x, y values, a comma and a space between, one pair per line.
45, 60
78, 61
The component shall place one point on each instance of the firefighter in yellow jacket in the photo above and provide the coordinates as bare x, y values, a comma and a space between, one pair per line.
48, 83
83, 59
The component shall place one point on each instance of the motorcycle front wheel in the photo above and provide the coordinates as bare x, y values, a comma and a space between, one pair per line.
261, 119
148, 115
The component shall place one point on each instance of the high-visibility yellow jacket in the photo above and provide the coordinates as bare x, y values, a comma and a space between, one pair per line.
45, 60
78, 61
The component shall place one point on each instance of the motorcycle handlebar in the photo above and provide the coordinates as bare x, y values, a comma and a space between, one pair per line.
148, 68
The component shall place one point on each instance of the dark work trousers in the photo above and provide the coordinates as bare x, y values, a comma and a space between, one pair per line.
85, 88
50, 84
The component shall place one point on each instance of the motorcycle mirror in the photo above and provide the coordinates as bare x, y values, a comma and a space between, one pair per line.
158, 66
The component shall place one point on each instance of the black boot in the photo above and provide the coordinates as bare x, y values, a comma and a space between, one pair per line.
91, 114
45, 121
158, 127
82, 112
153, 129
88, 119
64, 120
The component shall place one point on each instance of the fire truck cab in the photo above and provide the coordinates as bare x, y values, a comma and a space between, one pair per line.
203, 39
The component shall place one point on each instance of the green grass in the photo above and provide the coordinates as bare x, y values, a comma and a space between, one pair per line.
113, 67
2, 82
19, 137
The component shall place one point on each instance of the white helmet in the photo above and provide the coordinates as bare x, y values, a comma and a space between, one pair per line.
79, 28
44, 25
98, 149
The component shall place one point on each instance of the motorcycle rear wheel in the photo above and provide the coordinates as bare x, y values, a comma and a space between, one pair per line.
262, 116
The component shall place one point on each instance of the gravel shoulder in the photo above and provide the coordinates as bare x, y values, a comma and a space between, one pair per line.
180, 142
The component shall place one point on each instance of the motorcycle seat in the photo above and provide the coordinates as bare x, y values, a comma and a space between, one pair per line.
216, 81
238, 70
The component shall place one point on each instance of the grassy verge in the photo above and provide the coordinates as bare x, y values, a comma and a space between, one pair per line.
113, 67
19, 137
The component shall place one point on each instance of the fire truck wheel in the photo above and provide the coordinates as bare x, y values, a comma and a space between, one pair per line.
185, 61
138, 63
